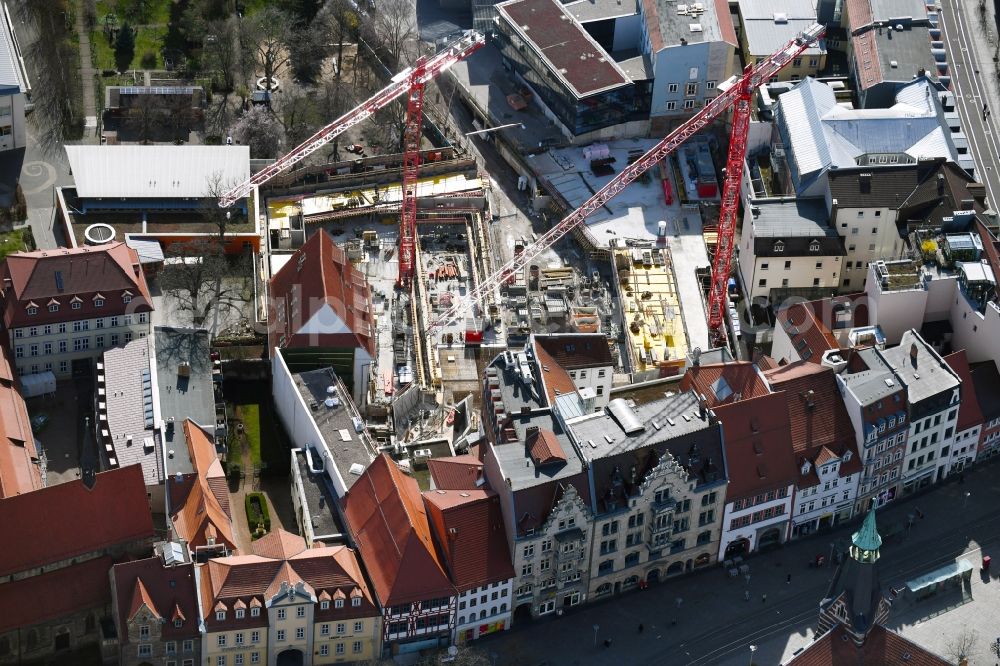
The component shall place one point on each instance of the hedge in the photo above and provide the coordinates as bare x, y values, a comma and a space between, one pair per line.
257, 517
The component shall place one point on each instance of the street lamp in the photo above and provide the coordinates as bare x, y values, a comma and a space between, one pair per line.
965, 502
596, 627
753, 648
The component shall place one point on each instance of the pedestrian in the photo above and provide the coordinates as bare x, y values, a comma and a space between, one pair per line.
607, 642
679, 602
788, 579
746, 594
641, 627
763, 598
748, 578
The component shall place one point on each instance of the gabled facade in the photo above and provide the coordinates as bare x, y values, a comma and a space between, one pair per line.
155, 608
287, 601
385, 516
62, 308
986, 380
322, 313
968, 430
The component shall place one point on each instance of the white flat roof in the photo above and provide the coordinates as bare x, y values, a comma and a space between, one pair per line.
160, 172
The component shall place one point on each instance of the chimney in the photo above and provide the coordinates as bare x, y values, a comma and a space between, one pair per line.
834, 207
940, 184
530, 431
913, 354
811, 399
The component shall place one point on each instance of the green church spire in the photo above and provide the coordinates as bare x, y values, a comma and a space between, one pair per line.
866, 541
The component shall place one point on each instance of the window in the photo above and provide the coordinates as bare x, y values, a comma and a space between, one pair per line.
55, 307
114, 322
529, 550
239, 638
300, 611
323, 605
145, 650
690, 89
341, 628
779, 246
763, 266
762, 282
220, 660
76, 305
19, 351
255, 657
281, 634
356, 647
254, 636
359, 627
188, 646
127, 298
526, 570
255, 611
81, 344
819, 265
797, 62
671, 106
324, 650
144, 632
672, 87
281, 613
171, 647
98, 302
32, 311
689, 104
220, 615
240, 613
815, 282
222, 640
300, 633
18, 332
340, 646
238, 659
709, 85
814, 246
33, 331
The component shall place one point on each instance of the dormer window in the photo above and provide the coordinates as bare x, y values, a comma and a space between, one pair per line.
806, 466
54, 307
779, 246
178, 623
32, 310
127, 298
324, 605
356, 602
220, 616
338, 603
847, 456
255, 612
814, 246
240, 613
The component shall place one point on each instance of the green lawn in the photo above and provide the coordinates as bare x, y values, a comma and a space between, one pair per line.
150, 34
11, 241
250, 416
265, 435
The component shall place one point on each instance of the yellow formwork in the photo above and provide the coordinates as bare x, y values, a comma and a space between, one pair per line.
652, 312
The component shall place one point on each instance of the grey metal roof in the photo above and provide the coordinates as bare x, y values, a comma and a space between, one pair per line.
909, 49
183, 397
782, 218
639, 68
338, 423
515, 463
674, 26
599, 10
885, 10
822, 134
766, 9
158, 171
663, 420
149, 251
926, 375
870, 386
764, 36
132, 410
12, 72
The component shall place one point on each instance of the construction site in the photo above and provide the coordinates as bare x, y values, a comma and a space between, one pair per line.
418, 226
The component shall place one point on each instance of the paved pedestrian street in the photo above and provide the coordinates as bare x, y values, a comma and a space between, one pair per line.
718, 620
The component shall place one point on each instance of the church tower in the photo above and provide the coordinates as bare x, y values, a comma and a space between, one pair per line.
855, 598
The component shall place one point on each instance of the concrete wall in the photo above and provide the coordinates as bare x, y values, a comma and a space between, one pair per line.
297, 418
856, 226
978, 334
627, 33
897, 311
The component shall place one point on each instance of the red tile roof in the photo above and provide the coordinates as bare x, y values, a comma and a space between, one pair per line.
65, 591
456, 472
468, 527
808, 334
197, 512
45, 275
818, 418
249, 581
882, 647
387, 520
168, 591
544, 447
970, 414
206, 462
19, 473
319, 275
279, 545
77, 520
576, 351
759, 454
555, 378
742, 377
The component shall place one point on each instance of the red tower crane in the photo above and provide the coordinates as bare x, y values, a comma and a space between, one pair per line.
737, 96
411, 80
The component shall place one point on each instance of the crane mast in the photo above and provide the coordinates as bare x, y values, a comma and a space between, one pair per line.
738, 95
402, 83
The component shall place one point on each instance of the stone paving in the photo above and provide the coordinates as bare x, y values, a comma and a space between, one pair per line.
716, 625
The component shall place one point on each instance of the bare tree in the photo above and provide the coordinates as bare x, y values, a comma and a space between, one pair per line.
269, 32
199, 277
141, 117
962, 645
259, 129
338, 18
394, 27
220, 49
211, 212
297, 113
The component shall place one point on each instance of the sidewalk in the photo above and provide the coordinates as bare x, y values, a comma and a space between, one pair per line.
715, 623
87, 75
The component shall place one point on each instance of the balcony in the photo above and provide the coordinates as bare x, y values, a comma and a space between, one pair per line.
663, 505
